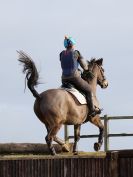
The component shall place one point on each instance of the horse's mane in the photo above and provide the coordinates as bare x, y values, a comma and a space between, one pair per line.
93, 61
88, 75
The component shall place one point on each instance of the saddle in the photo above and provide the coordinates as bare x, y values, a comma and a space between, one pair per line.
79, 95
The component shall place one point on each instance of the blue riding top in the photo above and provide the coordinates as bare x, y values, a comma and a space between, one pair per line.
69, 62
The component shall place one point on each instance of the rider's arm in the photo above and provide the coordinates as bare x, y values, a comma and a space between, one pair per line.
60, 55
81, 61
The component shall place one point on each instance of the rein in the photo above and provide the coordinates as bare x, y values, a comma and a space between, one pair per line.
89, 73
101, 71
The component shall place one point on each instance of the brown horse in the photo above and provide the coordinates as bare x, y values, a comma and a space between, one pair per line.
56, 107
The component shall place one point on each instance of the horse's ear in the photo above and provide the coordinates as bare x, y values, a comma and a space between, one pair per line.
100, 61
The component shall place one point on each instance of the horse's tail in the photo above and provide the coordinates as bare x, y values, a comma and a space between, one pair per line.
32, 74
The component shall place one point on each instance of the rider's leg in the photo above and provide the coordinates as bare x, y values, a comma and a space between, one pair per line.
83, 86
91, 106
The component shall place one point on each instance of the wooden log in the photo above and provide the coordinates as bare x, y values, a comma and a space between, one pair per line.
9, 148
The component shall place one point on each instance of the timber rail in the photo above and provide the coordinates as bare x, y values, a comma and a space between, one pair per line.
33, 160
107, 135
97, 164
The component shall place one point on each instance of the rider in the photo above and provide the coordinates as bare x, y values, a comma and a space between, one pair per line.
70, 60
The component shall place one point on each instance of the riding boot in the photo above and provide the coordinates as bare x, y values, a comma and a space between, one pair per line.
93, 112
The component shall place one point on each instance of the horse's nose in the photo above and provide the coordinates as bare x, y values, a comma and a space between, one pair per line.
105, 84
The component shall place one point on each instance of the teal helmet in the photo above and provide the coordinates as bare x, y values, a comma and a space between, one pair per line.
68, 42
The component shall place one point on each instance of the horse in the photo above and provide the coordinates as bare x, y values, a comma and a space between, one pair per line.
55, 107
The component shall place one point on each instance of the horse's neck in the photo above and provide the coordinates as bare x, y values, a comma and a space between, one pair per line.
94, 89
93, 84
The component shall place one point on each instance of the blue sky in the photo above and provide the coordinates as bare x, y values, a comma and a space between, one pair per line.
101, 29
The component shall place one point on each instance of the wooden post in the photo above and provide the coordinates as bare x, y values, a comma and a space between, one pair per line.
113, 164
106, 134
66, 134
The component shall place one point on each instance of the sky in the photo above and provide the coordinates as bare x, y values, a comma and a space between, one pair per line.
101, 28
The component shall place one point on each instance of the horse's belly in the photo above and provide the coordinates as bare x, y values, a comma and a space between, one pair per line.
59, 108
77, 116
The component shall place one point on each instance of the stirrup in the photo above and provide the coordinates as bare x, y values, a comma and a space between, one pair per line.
95, 112
99, 111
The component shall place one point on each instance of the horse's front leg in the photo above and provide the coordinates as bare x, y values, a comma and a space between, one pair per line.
76, 138
97, 121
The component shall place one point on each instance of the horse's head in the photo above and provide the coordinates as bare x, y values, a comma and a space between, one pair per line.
96, 71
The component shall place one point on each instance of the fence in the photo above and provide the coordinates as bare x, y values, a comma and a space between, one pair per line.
112, 164
107, 135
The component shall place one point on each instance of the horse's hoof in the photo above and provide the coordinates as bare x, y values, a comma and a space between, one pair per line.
97, 146
53, 152
65, 148
75, 153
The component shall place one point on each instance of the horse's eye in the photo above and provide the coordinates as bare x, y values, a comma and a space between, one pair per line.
102, 69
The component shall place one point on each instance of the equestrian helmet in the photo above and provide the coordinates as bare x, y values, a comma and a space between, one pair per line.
69, 42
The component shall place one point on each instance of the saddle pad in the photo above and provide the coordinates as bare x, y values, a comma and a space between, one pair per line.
77, 94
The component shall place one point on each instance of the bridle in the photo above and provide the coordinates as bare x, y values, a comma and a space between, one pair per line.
89, 73
103, 77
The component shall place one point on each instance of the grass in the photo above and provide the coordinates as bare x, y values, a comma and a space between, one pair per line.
47, 156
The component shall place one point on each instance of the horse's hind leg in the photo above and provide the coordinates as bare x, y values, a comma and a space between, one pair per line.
49, 140
50, 137
64, 146
76, 138
97, 121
